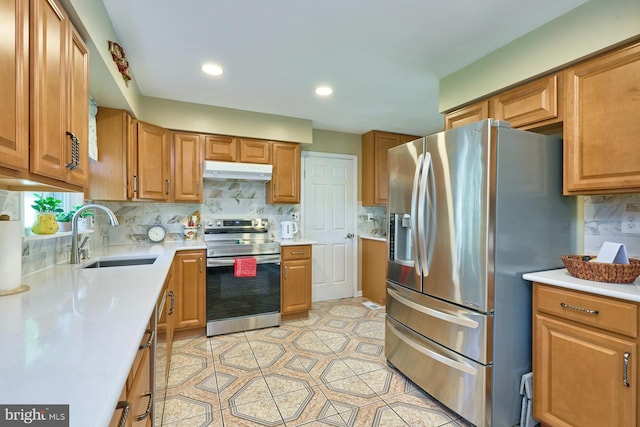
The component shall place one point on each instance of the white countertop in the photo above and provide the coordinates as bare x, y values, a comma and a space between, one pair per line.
296, 241
373, 237
71, 339
562, 278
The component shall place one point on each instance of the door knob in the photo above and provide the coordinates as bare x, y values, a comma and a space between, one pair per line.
350, 236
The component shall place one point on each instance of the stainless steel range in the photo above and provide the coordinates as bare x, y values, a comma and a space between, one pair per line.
236, 303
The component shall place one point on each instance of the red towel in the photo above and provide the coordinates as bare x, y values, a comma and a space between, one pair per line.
245, 267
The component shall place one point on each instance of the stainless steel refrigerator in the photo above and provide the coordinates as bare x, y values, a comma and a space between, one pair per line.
470, 210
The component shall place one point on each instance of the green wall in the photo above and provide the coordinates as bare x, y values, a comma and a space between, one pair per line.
326, 141
591, 27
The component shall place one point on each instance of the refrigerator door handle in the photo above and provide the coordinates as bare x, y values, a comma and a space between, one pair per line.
415, 236
425, 242
457, 320
442, 358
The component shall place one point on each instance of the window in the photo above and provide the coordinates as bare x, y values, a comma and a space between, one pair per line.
69, 200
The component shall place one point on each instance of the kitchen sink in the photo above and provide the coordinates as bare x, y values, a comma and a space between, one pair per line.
121, 262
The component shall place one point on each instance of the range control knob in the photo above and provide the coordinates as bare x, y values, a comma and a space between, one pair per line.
218, 223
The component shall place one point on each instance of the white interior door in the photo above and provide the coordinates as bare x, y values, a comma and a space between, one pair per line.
329, 203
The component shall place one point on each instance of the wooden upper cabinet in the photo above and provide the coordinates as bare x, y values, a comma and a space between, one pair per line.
221, 147
187, 167
532, 105
233, 149
602, 124
14, 86
59, 96
255, 151
284, 186
375, 144
154, 163
467, 115
79, 106
115, 130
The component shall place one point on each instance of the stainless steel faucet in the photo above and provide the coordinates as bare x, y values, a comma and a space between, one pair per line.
75, 252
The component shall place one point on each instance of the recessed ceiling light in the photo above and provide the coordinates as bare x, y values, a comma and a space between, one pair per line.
213, 69
324, 90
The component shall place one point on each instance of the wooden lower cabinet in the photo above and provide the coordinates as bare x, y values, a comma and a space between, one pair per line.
295, 282
374, 270
585, 359
136, 399
190, 274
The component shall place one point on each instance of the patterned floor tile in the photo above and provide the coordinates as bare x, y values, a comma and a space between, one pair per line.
377, 414
260, 413
327, 370
303, 406
420, 410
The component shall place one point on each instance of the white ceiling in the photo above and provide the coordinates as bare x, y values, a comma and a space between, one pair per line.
382, 57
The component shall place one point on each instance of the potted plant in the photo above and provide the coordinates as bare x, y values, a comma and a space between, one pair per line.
84, 221
46, 209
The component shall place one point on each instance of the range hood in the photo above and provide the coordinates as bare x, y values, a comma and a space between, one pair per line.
232, 171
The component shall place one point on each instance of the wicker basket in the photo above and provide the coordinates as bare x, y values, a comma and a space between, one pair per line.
602, 271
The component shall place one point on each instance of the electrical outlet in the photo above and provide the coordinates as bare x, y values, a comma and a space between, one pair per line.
369, 217
295, 216
631, 222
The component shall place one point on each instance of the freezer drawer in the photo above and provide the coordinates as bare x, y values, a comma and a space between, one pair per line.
462, 330
457, 382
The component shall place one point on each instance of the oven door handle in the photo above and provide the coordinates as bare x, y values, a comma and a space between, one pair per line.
225, 262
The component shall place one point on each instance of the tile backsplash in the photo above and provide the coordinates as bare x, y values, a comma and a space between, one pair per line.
603, 220
222, 199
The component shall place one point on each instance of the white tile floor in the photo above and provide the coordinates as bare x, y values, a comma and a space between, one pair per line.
327, 370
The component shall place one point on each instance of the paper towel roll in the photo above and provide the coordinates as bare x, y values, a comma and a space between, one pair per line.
10, 254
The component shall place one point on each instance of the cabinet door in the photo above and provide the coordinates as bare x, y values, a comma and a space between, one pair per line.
220, 147
284, 186
14, 89
601, 127
108, 176
255, 151
296, 286
140, 393
467, 115
49, 40
382, 144
374, 270
79, 108
578, 376
190, 289
153, 163
187, 168
531, 105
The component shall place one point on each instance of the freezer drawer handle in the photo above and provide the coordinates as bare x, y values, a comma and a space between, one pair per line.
458, 320
433, 355
625, 369
580, 309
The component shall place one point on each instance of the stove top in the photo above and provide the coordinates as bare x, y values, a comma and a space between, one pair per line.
233, 237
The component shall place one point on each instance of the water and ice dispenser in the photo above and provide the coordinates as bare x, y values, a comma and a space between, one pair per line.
400, 239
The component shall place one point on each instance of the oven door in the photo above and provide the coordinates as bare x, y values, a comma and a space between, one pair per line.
230, 297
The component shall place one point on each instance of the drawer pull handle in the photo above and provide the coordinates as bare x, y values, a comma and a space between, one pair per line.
580, 309
297, 252
124, 405
146, 413
146, 345
625, 368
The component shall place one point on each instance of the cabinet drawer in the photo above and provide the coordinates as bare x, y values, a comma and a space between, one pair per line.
295, 252
593, 310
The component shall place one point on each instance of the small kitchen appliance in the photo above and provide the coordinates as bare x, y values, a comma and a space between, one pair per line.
470, 210
241, 302
288, 229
